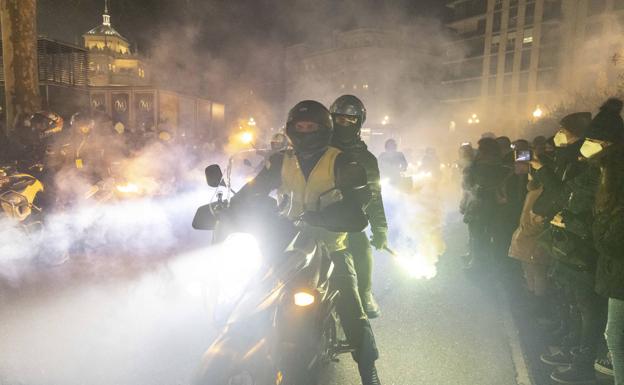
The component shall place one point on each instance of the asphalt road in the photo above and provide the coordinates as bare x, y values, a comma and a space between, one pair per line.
147, 325
447, 330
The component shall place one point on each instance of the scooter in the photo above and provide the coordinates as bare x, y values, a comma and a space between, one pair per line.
284, 328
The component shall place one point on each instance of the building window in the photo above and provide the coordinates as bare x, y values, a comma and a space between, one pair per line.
495, 44
550, 34
513, 18
498, 4
595, 7
492, 86
548, 58
529, 13
481, 27
509, 59
524, 82
511, 42
493, 64
496, 27
552, 9
525, 60
527, 37
475, 47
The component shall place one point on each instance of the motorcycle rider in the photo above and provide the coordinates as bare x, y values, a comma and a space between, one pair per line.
86, 154
392, 162
305, 172
348, 114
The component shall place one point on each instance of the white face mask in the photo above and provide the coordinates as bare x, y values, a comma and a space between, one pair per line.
560, 139
591, 148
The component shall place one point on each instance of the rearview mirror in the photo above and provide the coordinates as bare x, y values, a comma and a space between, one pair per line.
214, 175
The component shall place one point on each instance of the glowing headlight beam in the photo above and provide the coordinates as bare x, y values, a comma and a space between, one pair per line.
128, 188
303, 299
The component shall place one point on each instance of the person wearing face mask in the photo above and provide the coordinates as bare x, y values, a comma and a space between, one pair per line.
575, 258
304, 173
348, 114
606, 147
553, 169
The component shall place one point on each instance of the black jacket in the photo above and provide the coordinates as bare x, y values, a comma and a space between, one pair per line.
375, 208
554, 177
573, 245
484, 182
608, 231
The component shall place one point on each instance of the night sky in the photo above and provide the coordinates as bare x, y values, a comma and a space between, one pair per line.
217, 42
227, 21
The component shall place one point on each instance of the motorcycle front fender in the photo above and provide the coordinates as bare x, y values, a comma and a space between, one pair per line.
243, 348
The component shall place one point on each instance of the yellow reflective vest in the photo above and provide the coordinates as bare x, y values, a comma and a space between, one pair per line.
305, 194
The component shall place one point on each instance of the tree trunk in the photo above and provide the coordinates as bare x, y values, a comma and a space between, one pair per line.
19, 52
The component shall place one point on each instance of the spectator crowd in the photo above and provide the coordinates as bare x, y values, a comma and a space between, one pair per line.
552, 211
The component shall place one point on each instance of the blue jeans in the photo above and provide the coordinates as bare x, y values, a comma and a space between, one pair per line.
615, 337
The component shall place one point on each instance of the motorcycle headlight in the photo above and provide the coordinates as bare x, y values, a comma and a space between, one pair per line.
128, 188
303, 299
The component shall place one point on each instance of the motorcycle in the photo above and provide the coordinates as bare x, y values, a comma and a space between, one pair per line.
284, 327
18, 195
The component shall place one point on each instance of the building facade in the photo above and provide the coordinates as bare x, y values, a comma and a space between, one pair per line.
384, 67
111, 59
63, 77
512, 59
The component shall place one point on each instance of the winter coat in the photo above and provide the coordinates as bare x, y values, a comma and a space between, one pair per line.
484, 183
524, 245
608, 231
375, 209
554, 176
573, 245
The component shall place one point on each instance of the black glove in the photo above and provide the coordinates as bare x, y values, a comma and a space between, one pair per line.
379, 240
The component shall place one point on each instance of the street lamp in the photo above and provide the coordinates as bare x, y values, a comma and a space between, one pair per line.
538, 113
473, 119
251, 121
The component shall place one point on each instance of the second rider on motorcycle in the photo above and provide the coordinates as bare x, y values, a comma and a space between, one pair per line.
304, 173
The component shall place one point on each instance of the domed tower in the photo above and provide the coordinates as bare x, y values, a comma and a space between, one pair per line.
111, 61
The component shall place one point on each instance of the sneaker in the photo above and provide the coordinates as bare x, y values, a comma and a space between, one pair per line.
574, 375
604, 365
560, 358
371, 308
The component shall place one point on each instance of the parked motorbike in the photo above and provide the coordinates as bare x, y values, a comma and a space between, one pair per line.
284, 327
18, 195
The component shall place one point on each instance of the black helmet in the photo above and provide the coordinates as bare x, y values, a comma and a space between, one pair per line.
349, 105
309, 111
82, 121
46, 123
352, 107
